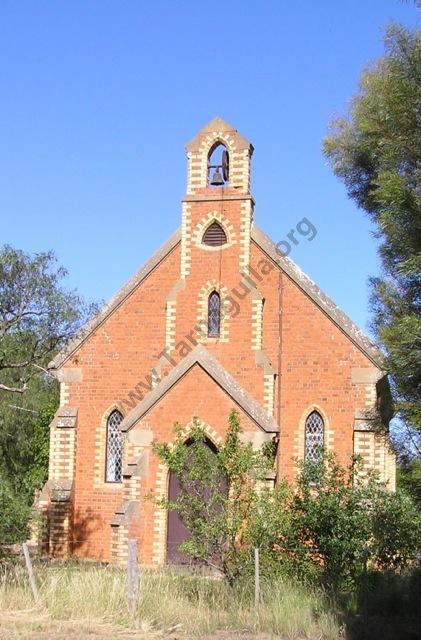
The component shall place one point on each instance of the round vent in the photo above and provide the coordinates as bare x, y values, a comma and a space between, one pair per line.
214, 235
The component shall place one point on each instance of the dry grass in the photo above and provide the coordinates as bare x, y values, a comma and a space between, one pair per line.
90, 601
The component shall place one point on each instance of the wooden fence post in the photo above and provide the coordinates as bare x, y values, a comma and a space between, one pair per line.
132, 575
256, 577
30, 572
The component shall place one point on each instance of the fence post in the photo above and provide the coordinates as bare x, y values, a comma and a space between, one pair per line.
256, 577
30, 572
132, 575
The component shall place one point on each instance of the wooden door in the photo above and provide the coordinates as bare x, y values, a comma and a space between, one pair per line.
176, 531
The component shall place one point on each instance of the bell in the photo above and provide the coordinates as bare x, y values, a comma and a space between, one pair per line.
217, 180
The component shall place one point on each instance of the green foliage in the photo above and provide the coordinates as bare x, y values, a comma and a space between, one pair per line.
377, 154
24, 434
409, 478
37, 472
37, 315
24, 445
395, 530
14, 515
330, 519
218, 494
331, 525
344, 523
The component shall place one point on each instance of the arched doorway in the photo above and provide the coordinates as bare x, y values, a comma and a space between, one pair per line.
176, 531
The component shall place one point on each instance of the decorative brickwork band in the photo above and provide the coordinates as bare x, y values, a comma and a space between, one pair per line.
269, 393
64, 394
245, 229
62, 444
185, 240
257, 321
54, 501
128, 512
375, 452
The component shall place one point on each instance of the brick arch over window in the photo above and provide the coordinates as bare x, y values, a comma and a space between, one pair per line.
101, 438
114, 448
314, 436
205, 223
214, 235
300, 432
203, 311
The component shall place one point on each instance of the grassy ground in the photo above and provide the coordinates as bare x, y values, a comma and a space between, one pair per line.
89, 601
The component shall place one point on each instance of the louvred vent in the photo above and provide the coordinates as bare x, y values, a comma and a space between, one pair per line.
214, 235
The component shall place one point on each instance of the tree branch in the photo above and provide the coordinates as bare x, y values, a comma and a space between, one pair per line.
4, 387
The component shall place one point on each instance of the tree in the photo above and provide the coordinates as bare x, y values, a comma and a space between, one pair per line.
38, 316
376, 152
409, 478
24, 434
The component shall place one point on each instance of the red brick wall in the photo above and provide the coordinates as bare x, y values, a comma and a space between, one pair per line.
316, 360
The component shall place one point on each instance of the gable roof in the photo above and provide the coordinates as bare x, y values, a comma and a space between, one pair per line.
322, 300
121, 295
267, 245
201, 357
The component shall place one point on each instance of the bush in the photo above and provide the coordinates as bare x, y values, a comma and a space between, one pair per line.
346, 525
330, 525
14, 515
218, 495
395, 530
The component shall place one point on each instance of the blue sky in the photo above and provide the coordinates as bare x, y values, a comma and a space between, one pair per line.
98, 99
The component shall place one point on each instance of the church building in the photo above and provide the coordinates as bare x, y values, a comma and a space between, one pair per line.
219, 318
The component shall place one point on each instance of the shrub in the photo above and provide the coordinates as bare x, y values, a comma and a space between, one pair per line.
218, 495
14, 515
330, 524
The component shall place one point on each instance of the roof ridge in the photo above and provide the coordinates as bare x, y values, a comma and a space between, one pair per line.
339, 317
324, 302
116, 300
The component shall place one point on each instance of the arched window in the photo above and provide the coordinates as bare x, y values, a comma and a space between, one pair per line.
218, 165
214, 314
114, 457
314, 437
214, 235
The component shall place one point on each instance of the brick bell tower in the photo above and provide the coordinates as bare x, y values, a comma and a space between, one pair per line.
217, 214
215, 256
217, 149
